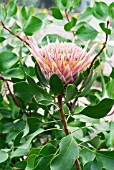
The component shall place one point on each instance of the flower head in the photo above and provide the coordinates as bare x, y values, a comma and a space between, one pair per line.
65, 59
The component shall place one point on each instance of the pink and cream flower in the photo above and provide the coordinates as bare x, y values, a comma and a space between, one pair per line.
65, 59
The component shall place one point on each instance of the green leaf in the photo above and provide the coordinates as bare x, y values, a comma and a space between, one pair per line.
86, 14
14, 73
25, 13
112, 73
76, 3
64, 2
21, 165
103, 84
87, 155
106, 161
5, 113
109, 154
103, 27
32, 25
56, 13
100, 10
95, 142
33, 123
111, 137
18, 138
96, 165
15, 28
3, 156
110, 88
2, 13
68, 154
109, 51
2, 39
87, 88
38, 90
30, 137
14, 108
34, 151
59, 4
40, 75
71, 91
87, 79
44, 163
100, 110
31, 10
111, 10
20, 152
48, 149
56, 84
7, 60
26, 91
31, 162
86, 33
70, 24
12, 8
78, 79
42, 16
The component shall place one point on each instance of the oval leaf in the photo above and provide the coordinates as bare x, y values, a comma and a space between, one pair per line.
71, 91
31, 162
86, 33
12, 8
70, 24
111, 10
56, 84
106, 30
68, 154
100, 10
25, 13
32, 25
100, 110
56, 13
87, 86
110, 88
7, 60
14, 73
3, 156
40, 75
2, 39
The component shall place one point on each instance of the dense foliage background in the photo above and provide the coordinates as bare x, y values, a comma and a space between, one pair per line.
31, 130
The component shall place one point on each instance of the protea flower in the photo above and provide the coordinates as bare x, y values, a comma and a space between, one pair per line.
65, 59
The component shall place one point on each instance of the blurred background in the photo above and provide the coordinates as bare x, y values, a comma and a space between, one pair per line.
49, 3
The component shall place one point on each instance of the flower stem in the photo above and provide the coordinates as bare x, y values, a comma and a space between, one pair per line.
97, 55
10, 92
67, 17
63, 118
77, 165
64, 122
24, 41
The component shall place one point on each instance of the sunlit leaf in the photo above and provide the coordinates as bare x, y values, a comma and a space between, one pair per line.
70, 24
3, 156
56, 13
32, 25
68, 154
86, 33
7, 60
100, 110
100, 10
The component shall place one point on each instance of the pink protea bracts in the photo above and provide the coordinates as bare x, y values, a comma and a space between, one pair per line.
65, 59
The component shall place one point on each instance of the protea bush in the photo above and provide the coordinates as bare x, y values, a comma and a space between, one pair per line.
52, 116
